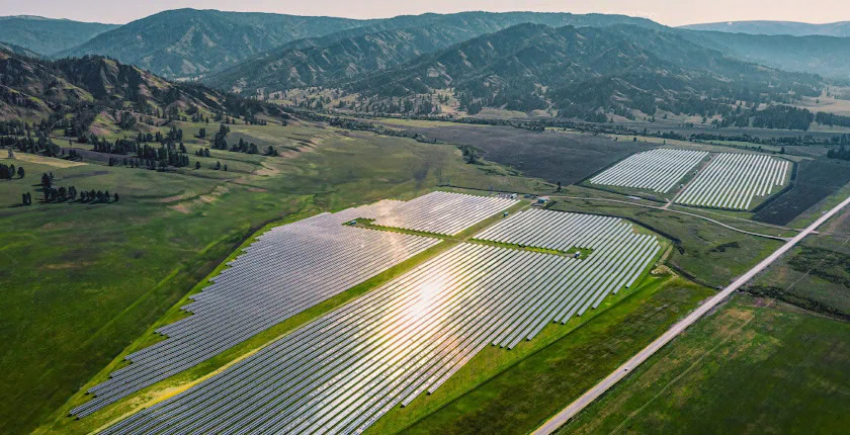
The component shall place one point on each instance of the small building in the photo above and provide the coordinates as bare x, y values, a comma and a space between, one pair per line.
543, 200
505, 214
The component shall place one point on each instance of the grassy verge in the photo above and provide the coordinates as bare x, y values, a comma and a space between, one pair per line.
754, 366
513, 391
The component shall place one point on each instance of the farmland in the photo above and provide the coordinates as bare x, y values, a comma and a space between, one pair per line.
548, 155
776, 368
815, 181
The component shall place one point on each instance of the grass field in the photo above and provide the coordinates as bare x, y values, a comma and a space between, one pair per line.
754, 366
84, 281
552, 374
548, 155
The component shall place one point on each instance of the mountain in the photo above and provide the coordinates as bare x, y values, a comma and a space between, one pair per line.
580, 71
46, 35
825, 55
40, 88
381, 45
21, 51
840, 29
190, 42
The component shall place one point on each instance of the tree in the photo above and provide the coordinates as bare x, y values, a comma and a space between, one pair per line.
197, 165
116, 197
225, 168
45, 181
24, 199
559, 186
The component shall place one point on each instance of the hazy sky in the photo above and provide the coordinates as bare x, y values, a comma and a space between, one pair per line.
670, 12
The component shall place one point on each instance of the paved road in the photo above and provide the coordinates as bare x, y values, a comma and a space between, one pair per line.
567, 413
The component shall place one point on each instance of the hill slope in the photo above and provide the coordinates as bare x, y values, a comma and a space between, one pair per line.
188, 42
840, 29
825, 55
381, 45
85, 86
580, 71
47, 36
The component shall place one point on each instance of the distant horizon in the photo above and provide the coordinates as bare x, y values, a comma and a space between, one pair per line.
119, 12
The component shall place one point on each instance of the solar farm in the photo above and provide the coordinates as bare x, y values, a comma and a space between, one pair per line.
343, 371
733, 181
657, 170
286, 271
729, 181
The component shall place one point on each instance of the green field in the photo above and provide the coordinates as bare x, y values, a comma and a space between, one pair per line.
84, 281
751, 367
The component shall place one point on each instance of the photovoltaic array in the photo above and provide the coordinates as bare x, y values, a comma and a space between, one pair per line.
286, 271
733, 181
657, 170
343, 371
443, 213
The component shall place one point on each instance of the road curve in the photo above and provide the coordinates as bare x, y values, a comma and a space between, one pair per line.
574, 408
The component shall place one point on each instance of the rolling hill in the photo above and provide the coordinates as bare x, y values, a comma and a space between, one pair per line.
348, 54
47, 36
839, 29
828, 56
580, 71
189, 42
32, 88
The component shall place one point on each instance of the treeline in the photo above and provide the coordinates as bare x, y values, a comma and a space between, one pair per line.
840, 153
8, 172
58, 194
772, 117
357, 125
832, 119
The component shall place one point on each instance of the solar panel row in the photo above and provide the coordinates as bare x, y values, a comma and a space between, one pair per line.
733, 181
286, 271
658, 170
343, 371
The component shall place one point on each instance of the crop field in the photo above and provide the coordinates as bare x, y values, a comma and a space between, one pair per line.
816, 180
549, 155
351, 366
733, 181
755, 366
284, 272
657, 170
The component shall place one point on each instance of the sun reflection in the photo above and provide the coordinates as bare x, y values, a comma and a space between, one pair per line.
427, 293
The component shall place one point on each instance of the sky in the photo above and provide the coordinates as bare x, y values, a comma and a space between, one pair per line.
669, 12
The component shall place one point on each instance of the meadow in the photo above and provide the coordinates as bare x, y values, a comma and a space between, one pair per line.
777, 369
